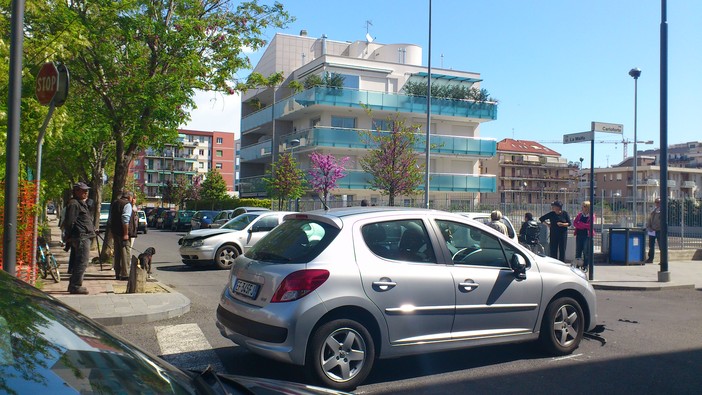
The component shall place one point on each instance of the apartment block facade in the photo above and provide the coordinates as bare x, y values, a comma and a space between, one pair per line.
195, 153
529, 172
329, 120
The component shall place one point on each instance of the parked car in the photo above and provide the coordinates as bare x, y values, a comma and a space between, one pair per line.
202, 219
141, 227
485, 218
181, 221
222, 245
165, 221
104, 215
47, 347
226, 215
335, 290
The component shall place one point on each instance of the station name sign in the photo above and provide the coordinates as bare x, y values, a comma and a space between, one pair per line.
607, 127
578, 137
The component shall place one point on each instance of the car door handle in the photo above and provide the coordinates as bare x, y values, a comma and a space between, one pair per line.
468, 285
384, 284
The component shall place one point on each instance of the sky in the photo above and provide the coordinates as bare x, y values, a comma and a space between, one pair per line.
555, 66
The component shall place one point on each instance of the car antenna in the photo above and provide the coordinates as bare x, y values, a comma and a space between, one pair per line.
324, 204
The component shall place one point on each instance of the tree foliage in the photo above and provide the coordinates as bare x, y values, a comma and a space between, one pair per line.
213, 187
393, 164
455, 91
331, 80
137, 63
325, 171
287, 181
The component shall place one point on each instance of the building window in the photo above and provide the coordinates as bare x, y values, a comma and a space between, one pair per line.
202, 152
137, 162
136, 176
382, 124
201, 165
218, 165
619, 176
343, 122
219, 140
219, 153
350, 81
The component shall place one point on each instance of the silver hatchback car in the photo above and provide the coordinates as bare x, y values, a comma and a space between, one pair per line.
334, 290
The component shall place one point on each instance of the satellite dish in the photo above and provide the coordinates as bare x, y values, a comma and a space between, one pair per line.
369, 38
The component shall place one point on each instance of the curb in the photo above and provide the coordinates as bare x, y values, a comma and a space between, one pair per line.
623, 287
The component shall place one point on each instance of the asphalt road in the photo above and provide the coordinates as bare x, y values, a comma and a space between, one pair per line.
652, 344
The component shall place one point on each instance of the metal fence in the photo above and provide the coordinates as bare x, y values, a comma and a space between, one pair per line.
684, 215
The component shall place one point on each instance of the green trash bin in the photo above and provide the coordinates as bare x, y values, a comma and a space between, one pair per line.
627, 246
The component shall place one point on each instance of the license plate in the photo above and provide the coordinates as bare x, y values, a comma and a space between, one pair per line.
246, 288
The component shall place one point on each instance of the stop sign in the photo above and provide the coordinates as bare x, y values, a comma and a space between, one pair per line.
47, 83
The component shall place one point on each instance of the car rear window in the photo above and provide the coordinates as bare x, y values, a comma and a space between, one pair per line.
294, 241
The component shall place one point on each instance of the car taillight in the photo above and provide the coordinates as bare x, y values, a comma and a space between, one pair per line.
297, 285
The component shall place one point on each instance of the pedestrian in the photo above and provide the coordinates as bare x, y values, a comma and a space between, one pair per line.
364, 203
79, 232
119, 220
583, 234
133, 222
496, 222
530, 230
653, 226
558, 222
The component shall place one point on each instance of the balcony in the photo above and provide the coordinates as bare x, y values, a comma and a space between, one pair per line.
688, 184
358, 180
350, 138
351, 98
255, 151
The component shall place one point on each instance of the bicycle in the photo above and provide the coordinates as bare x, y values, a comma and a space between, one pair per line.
46, 262
533, 246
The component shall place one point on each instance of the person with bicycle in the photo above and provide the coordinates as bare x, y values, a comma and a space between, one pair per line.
530, 231
80, 231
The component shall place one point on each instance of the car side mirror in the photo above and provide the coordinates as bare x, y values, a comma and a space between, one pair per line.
518, 266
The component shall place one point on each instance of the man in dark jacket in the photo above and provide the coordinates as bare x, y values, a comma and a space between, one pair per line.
559, 221
119, 220
79, 230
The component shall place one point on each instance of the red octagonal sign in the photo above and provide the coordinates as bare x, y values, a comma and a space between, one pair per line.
47, 83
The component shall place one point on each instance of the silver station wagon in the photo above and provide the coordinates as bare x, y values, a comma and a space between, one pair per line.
335, 290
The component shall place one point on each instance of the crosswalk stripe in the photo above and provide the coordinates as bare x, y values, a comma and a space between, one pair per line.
187, 347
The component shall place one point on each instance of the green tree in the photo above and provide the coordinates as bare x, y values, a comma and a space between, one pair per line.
140, 61
393, 164
213, 187
287, 180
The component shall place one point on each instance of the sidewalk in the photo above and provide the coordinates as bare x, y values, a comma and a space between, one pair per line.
107, 303
683, 274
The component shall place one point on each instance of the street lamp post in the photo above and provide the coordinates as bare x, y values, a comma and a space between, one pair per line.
635, 73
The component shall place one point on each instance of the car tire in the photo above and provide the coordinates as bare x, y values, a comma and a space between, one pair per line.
225, 256
562, 326
344, 367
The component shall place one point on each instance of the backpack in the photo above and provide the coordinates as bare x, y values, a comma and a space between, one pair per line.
532, 231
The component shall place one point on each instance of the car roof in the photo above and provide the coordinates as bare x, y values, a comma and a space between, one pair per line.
336, 216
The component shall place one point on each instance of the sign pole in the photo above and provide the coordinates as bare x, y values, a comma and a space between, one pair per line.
591, 244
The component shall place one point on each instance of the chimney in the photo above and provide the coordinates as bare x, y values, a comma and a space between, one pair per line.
303, 33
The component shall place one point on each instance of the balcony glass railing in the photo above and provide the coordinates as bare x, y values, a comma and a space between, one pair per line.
352, 98
255, 151
360, 180
350, 138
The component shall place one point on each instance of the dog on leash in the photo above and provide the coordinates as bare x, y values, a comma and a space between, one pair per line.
145, 259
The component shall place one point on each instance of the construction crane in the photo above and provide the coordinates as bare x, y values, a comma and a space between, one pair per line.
624, 142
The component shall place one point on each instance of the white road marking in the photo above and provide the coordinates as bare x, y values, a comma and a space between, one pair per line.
567, 357
187, 347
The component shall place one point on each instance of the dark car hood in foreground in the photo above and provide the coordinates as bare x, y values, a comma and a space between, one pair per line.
47, 347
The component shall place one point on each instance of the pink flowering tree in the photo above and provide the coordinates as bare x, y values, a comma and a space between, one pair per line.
392, 162
325, 171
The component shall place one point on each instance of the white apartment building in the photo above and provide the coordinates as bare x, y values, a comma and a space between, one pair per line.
328, 120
